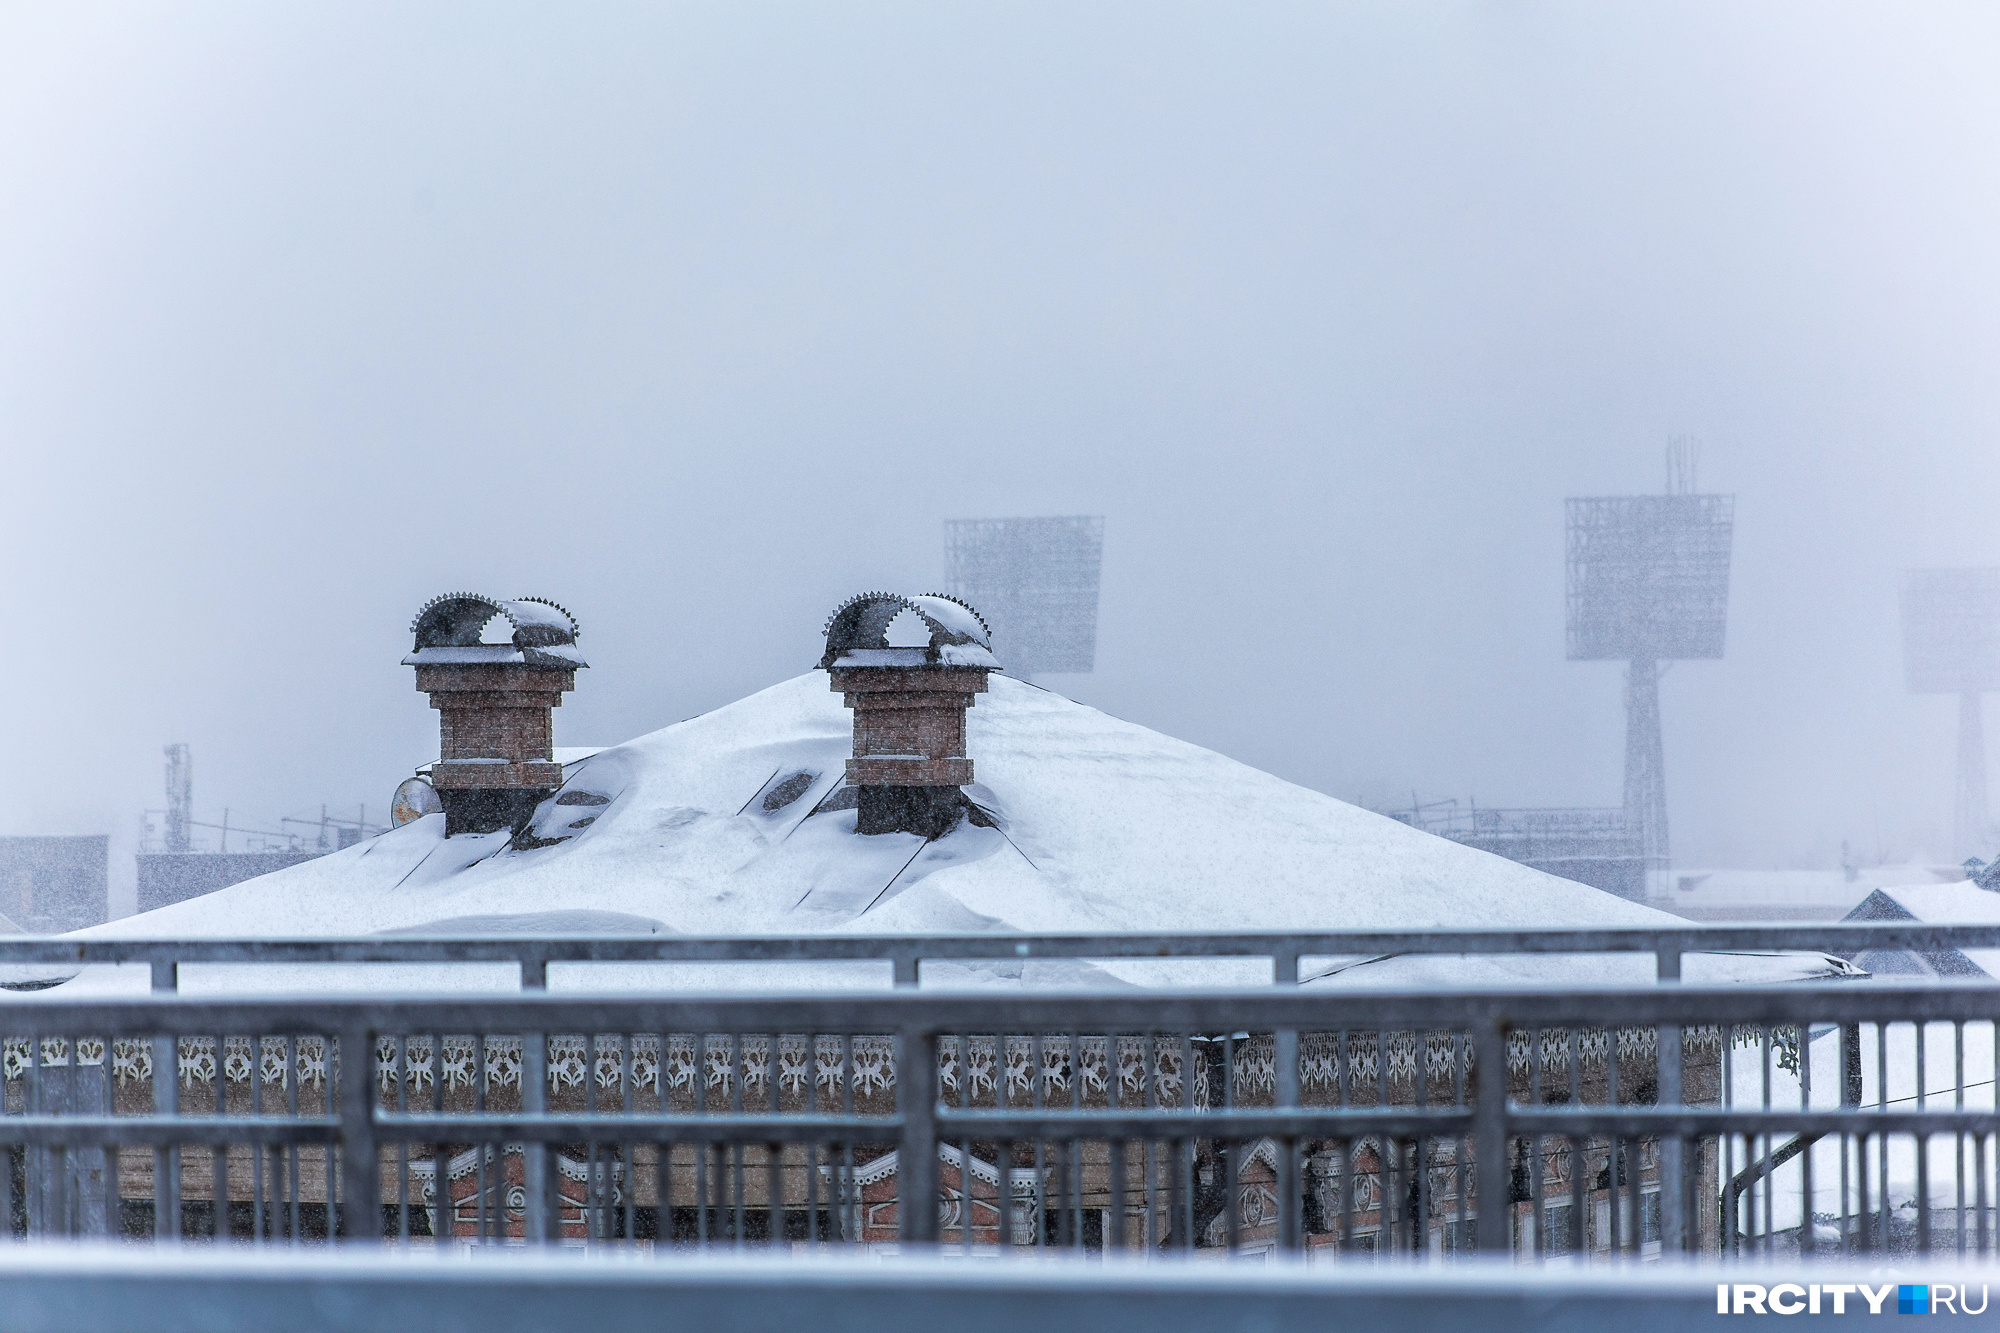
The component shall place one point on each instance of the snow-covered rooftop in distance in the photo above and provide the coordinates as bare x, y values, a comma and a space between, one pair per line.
1787, 895
1961, 904
722, 824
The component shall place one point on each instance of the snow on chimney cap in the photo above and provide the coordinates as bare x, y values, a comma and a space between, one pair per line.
448, 631
857, 633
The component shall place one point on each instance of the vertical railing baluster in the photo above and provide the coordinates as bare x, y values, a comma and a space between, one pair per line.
629, 1151
739, 1068
360, 1163
1149, 1233
166, 1157
1958, 1137
965, 1176
1579, 1156
541, 1217
1115, 1218
1923, 1145
1882, 1236
440, 1212
1538, 1246
1035, 1079
400, 1071
850, 1201
917, 1138
484, 1219
1669, 1093
663, 1161
815, 1241
774, 1211
293, 1202
1489, 1072
703, 1150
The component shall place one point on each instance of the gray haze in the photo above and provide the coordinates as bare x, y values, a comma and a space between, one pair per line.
701, 318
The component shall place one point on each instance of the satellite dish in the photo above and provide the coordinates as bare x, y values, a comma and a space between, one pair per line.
414, 799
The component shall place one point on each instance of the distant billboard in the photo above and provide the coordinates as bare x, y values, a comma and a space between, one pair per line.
56, 884
1951, 630
1649, 576
1035, 581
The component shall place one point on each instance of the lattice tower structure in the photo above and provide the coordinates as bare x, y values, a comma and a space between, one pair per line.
1648, 584
1036, 581
1598, 847
1951, 645
179, 830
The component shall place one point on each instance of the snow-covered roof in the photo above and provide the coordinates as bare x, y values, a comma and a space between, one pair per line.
1724, 894
734, 823
1962, 903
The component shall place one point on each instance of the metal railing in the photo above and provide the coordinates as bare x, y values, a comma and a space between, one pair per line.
1630, 1121
906, 953
80, 1289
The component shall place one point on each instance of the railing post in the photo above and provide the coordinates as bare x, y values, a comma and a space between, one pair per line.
360, 1163
1667, 963
1291, 1192
1496, 1210
1284, 969
906, 969
541, 1215
166, 974
1673, 1148
917, 1143
534, 973
167, 1160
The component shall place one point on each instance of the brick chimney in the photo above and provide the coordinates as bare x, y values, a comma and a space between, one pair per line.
496, 755
909, 707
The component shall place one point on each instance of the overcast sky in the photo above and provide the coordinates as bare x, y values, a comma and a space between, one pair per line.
699, 318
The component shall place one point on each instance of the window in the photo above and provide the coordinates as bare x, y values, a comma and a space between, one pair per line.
1557, 1222
1649, 1218
1461, 1235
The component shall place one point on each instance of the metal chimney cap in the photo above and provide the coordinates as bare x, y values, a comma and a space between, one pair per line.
859, 626
448, 632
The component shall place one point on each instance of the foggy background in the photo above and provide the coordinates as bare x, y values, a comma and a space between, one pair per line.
700, 318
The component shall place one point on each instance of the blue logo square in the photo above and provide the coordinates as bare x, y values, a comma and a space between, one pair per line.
1913, 1299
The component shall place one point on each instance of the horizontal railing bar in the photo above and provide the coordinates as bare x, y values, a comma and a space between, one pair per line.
163, 1131
205, 1287
1164, 1124
681, 1128
1839, 937
1329, 1122
1332, 1122
983, 1014
1687, 1122
1336, 1122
